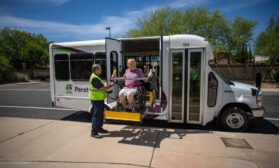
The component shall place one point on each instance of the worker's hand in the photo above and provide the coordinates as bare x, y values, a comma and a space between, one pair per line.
109, 92
150, 74
113, 83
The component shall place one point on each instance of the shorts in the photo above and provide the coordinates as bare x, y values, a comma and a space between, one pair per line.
126, 90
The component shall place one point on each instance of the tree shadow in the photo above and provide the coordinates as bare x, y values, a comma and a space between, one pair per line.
261, 126
150, 136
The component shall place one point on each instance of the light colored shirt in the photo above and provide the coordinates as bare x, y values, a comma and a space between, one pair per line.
136, 73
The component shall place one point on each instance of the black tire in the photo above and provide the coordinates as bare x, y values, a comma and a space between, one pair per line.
235, 119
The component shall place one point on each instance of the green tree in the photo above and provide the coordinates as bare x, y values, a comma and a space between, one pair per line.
4, 64
16, 46
220, 32
33, 54
250, 56
241, 37
267, 43
211, 25
161, 21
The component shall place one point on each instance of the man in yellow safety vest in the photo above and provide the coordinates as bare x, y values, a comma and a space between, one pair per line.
97, 94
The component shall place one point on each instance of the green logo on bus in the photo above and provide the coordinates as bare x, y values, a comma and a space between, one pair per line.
69, 88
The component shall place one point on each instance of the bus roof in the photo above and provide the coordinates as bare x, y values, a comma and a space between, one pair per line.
173, 39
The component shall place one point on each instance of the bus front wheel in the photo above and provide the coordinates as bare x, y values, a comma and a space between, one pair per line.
235, 119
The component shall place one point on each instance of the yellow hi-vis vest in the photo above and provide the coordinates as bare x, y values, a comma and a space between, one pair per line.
94, 93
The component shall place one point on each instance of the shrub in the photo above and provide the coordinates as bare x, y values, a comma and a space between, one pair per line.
42, 78
10, 77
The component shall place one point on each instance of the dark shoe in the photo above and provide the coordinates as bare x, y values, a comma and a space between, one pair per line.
119, 108
95, 135
103, 131
128, 110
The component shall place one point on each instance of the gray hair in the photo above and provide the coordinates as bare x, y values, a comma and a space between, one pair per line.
132, 61
95, 67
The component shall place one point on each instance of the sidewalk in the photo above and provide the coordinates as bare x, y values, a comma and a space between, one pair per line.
54, 143
265, 85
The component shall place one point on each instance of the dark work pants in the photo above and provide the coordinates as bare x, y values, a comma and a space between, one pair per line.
98, 115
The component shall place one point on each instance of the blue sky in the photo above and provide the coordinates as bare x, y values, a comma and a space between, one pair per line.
74, 20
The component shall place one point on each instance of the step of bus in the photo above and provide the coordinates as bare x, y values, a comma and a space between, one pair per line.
125, 116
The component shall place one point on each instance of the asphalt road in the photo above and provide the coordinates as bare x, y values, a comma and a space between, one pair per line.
33, 101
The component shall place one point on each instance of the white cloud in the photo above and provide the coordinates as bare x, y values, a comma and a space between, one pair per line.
55, 2
187, 3
173, 4
119, 25
141, 12
242, 4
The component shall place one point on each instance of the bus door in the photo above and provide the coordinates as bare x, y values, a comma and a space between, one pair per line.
114, 63
186, 86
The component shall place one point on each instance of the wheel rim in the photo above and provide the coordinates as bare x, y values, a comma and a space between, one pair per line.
235, 120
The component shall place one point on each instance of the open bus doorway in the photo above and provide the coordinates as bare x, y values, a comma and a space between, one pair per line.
146, 54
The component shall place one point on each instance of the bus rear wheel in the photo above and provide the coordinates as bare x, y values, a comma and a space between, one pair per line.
235, 119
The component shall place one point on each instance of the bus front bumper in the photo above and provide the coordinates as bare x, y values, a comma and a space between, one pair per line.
258, 112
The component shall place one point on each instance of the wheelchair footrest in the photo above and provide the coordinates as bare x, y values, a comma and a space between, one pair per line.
126, 116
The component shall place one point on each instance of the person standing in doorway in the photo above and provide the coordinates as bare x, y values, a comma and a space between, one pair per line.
97, 94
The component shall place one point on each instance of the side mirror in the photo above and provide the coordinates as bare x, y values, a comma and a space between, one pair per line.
258, 80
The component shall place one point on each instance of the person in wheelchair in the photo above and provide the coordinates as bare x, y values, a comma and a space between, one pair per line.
131, 86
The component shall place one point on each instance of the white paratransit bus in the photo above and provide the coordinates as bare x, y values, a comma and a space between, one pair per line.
183, 89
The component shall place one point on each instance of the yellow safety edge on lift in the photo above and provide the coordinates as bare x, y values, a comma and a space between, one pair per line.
122, 116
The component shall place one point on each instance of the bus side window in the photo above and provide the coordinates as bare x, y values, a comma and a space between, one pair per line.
81, 66
212, 90
100, 58
61, 63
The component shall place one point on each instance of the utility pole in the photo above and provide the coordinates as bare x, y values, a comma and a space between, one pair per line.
108, 28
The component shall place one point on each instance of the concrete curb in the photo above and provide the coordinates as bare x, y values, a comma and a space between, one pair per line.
23, 83
270, 89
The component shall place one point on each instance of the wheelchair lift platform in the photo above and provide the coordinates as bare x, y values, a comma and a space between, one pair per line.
135, 116
125, 116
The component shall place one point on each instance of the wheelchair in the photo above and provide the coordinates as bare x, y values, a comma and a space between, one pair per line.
139, 99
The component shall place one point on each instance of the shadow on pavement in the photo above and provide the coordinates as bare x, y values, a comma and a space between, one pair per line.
79, 116
148, 136
262, 126
257, 126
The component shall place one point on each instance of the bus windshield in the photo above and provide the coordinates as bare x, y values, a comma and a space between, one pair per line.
224, 79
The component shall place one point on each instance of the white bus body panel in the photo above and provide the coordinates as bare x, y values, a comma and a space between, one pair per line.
77, 97
51, 74
166, 82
